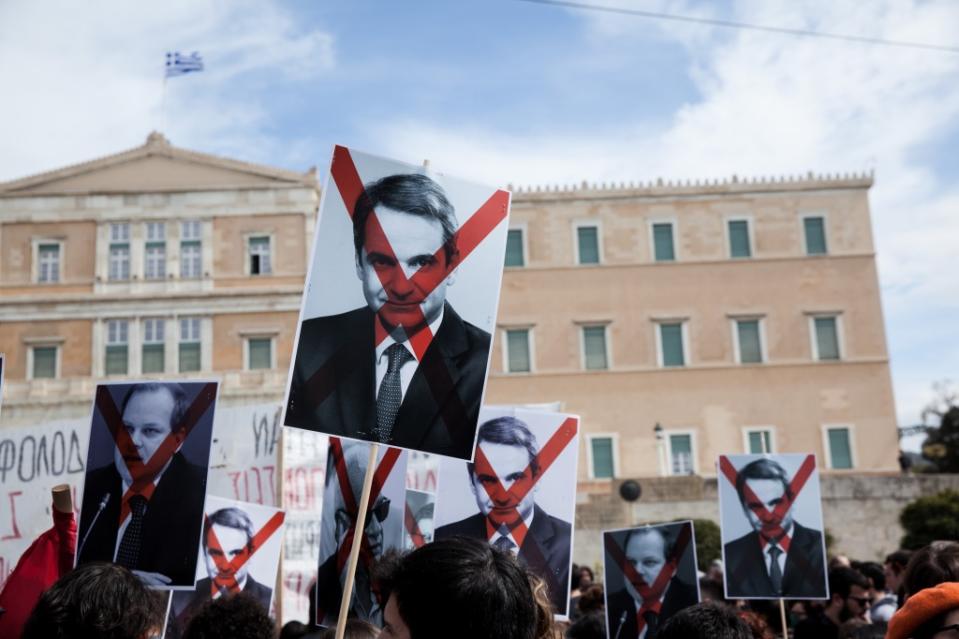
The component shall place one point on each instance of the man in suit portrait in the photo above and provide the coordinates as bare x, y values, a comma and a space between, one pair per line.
510, 447
159, 532
630, 614
365, 374
780, 557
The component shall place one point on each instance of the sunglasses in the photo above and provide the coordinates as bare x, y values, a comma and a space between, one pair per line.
380, 510
862, 601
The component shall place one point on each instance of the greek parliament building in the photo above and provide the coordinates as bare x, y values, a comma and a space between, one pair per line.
680, 321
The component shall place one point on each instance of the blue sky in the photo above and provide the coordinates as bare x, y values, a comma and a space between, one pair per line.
514, 92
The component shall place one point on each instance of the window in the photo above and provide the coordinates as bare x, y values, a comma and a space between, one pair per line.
601, 461
189, 352
739, 245
594, 348
44, 362
671, 350
514, 248
155, 251
681, 454
758, 441
815, 231
119, 266
259, 250
191, 249
749, 346
587, 244
48, 262
839, 448
826, 341
518, 358
117, 342
260, 353
153, 346
663, 249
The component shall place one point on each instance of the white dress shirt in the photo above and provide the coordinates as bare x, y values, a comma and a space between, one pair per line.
781, 560
408, 369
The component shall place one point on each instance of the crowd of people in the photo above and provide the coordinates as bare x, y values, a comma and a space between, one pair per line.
465, 588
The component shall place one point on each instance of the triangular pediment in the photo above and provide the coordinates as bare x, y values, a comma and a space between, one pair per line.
156, 166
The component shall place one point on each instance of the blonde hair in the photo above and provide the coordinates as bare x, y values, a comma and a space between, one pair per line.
545, 626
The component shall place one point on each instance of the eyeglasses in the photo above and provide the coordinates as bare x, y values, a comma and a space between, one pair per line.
380, 510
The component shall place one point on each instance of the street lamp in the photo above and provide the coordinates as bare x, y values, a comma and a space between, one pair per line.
660, 449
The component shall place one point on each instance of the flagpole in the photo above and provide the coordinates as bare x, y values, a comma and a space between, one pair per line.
163, 103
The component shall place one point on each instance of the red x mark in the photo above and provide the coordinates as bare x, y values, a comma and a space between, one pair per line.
227, 568
413, 529
771, 529
144, 474
651, 594
505, 502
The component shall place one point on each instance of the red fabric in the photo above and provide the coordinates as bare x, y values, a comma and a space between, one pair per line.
921, 607
46, 560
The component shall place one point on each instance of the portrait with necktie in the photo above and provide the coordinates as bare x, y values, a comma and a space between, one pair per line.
779, 557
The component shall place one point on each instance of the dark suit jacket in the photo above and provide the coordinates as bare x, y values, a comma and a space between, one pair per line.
679, 595
334, 381
545, 549
804, 575
187, 603
171, 526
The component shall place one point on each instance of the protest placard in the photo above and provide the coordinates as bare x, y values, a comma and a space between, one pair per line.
146, 478
418, 519
387, 348
520, 494
771, 521
649, 574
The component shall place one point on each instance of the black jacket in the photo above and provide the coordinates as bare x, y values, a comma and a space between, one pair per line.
804, 575
679, 595
186, 603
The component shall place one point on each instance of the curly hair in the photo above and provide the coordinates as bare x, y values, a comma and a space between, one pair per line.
238, 616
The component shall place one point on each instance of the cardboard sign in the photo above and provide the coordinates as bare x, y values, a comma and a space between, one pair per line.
393, 342
649, 575
520, 493
146, 478
771, 520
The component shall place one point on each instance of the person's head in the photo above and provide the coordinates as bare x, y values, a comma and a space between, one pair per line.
400, 224
592, 599
463, 588
757, 624
586, 577
715, 570
355, 629
849, 593
711, 589
355, 458
646, 549
150, 412
769, 484
707, 620
862, 629
894, 567
235, 616
294, 630
233, 532
591, 626
97, 600
510, 447
874, 573
930, 613
931, 565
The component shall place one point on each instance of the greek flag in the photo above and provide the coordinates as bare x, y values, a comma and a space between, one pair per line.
179, 64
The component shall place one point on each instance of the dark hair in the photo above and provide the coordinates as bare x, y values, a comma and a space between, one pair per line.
589, 570
711, 590
574, 578
176, 391
757, 623
592, 599
231, 518
97, 600
591, 626
707, 620
932, 565
842, 579
898, 560
236, 616
511, 432
355, 629
463, 587
294, 630
864, 630
762, 468
873, 572
411, 193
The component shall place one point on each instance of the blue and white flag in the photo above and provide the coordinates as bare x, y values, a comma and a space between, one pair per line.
179, 64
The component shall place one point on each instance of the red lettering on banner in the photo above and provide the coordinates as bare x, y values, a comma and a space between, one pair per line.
15, 530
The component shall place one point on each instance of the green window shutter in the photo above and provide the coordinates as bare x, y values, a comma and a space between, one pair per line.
827, 338
815, 235
514, 248
682, 454
594, 345
116, 363
750, 348
260, 353
153, 358
671, 337
663, 243
517, 351
739, 239
587, 238
189, 357
840, 451
44, 362
602, 448
757, 440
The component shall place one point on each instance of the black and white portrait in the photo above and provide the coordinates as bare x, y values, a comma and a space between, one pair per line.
649, 575
146, 478
420, 512
519, 494
771, 519
394, 337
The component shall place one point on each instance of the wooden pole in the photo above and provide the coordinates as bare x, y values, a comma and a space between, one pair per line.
358, 533
782, 617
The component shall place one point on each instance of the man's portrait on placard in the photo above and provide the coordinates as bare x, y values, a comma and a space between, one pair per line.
420, 511
383, 526
649, 575
394, 336
240, 552
145, 485
519, 494
771, 520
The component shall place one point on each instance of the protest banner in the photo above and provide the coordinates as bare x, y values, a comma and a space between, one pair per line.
418, 518
146, 478
240, 552
400, 356
649, 574
771, 523
244, 460
520, 494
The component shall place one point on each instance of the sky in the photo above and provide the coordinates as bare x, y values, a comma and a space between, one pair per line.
514, 92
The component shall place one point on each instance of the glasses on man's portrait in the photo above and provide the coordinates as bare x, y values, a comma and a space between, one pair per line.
380, 510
